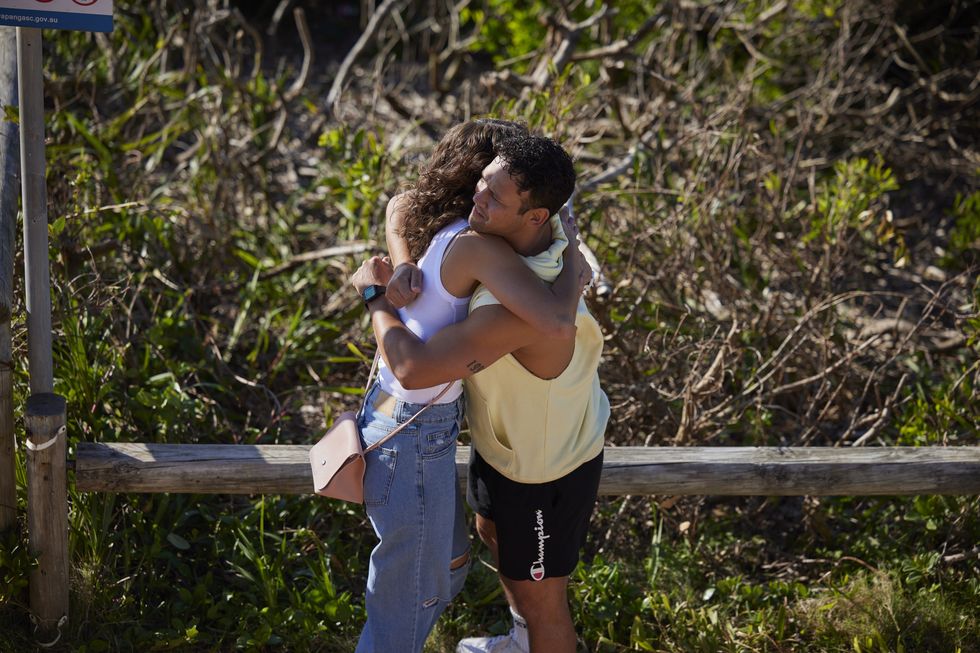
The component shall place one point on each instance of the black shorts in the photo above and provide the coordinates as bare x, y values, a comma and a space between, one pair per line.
540, 526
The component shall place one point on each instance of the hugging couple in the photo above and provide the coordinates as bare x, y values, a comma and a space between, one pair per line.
484, 284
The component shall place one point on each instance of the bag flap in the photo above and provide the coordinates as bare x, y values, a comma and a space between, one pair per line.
336, 448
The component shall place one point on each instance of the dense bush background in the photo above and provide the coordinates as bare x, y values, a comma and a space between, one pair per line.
785, 200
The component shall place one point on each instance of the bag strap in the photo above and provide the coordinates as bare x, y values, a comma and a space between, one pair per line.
410, 419
374, 367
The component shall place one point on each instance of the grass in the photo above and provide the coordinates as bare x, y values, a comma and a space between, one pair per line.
276, 573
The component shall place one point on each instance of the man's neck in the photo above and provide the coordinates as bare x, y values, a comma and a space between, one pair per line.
531, 243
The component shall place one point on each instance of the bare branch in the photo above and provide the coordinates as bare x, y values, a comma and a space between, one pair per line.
373, 26
304, 34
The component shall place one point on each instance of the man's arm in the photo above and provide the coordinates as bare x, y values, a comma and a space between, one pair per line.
456, 352
491, 261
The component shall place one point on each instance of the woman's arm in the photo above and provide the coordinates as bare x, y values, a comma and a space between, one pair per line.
398, 249
548, 308
406, 283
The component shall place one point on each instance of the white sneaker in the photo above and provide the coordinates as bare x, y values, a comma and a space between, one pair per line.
500, 644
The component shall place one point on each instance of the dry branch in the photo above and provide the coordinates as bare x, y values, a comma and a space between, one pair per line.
373, 26
307, 257
307, 40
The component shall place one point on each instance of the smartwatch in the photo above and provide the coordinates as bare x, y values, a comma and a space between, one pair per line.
372, 292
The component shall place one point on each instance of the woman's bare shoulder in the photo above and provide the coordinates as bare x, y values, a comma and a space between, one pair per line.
471, 254
474, 242
397, 203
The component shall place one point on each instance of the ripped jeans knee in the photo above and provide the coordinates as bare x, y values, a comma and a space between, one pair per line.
458, 570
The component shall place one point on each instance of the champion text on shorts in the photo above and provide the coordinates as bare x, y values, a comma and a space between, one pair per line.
537, 567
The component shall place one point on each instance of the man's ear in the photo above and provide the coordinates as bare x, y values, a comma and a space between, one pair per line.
538, 216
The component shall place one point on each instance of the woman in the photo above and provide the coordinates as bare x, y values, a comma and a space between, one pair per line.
410, 485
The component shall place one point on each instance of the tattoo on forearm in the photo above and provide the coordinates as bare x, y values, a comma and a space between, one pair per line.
475, 366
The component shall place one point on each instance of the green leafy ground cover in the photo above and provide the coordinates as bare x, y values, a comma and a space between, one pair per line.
186, 180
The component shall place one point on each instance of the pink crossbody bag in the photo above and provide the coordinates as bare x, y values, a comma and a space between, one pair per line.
337, 460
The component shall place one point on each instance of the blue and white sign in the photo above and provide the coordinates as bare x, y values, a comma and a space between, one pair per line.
79, 15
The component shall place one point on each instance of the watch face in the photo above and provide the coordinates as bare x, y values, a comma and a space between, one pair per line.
371, 292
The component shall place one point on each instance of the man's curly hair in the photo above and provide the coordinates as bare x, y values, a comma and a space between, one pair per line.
541, 168
447, 180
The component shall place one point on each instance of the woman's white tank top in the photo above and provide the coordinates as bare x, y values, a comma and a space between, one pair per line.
432, 310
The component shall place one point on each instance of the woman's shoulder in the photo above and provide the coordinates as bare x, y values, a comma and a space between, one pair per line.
476, 250
473, 241
397, 203
471, 253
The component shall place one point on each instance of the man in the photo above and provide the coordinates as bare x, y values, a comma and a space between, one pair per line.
534, 405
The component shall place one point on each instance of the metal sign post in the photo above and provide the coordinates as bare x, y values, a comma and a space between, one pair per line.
35, 206
45, 418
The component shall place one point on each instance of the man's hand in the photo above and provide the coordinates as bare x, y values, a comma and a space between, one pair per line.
373, 272
404, 285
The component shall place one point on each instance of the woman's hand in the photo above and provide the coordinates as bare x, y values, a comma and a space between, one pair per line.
584, 271
568, 224
405, 285
573, 253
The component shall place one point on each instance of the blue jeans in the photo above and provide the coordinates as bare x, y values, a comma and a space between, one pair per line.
413, 501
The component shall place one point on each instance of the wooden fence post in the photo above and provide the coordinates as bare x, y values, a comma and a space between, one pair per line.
9, 188
47, 511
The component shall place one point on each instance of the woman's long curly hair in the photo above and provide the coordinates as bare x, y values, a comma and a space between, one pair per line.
447, 181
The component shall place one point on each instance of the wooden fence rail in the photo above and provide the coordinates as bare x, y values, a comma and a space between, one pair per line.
766, 471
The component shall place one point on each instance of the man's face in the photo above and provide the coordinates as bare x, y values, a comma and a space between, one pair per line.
497, 202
